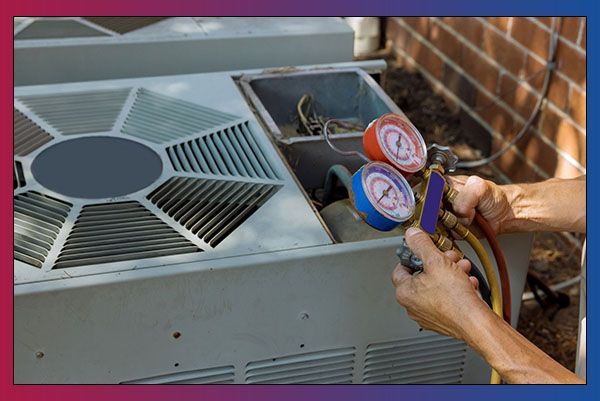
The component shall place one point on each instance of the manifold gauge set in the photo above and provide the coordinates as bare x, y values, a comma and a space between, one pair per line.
380, 190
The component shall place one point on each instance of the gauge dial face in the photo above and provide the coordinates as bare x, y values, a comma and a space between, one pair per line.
388, 191
401, 143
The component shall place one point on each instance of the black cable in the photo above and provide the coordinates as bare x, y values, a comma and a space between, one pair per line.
484, 288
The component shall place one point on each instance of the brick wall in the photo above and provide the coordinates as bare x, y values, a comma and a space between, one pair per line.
472, 61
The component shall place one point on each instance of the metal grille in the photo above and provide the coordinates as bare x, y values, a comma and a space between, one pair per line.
18, 177
37, 221
220, 375
124, 24
431, 359
27, 135
158, 118
118, 232
331, 366
231, 151
79, 112
210, 209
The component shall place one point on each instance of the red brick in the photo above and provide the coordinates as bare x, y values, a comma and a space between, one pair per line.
458, 84
570, 28
516, 168
503, 51
446, 42
564, 169
495, 115
480, 69
531, 36
572, 63
396, 33
545, 20
558, 88
419, 24
468, 27
558, 92
500, 22
533, 72
539, 152
577, 106
406, 62
564, 134
425, 57
518, 96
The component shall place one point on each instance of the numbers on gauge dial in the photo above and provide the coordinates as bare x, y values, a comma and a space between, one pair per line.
401, 143
388, 196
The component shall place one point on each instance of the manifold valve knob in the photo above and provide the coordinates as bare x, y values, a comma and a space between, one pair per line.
409, 259
442, 155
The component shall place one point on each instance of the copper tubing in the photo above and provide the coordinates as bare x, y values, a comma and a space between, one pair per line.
489, 234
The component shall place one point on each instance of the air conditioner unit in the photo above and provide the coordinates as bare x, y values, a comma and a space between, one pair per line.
71, 49
163, 235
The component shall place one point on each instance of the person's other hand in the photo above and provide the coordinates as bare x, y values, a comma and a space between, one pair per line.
486, 197
442, 297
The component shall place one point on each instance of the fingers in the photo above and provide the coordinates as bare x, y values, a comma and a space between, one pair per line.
452, 255
468, 198
474, 282
457, 181
464, 265
400, 275
420, 243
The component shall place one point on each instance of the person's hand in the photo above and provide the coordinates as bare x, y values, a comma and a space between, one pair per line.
442, 298
486, 197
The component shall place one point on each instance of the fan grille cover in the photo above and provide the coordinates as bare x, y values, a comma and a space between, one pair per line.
117, 175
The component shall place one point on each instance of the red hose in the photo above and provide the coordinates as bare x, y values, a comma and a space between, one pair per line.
485, 227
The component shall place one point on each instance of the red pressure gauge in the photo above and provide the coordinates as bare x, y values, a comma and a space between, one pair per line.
393, 139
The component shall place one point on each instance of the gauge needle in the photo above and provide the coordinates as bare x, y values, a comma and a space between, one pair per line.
384, 194
398, 143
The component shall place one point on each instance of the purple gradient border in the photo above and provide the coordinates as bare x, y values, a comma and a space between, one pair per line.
8, 391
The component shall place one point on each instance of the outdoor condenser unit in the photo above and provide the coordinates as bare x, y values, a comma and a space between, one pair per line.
57, 50
163, 234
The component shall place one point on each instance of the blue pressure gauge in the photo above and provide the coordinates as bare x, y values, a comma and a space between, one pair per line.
382, 195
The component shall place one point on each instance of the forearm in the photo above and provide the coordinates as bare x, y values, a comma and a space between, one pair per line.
552, 205
515, 358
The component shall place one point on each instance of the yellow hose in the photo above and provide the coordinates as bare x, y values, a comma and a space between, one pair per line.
450, 221
490, 273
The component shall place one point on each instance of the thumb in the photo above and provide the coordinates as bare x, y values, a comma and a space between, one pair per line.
422, 245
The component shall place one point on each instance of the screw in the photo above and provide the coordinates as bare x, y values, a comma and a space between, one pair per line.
303, 316
39, 355
176, 335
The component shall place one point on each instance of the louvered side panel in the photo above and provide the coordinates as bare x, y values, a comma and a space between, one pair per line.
116, 232
18, 177
210, 209
232, 151
321, 367
219, 375
27, 135
37, 221
430, 359
79, 112
158, 118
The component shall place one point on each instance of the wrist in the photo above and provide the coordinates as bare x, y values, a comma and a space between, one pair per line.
473, 322
514, 195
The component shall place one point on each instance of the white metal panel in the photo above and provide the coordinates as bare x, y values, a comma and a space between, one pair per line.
285, 220
183, 45
120, 326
